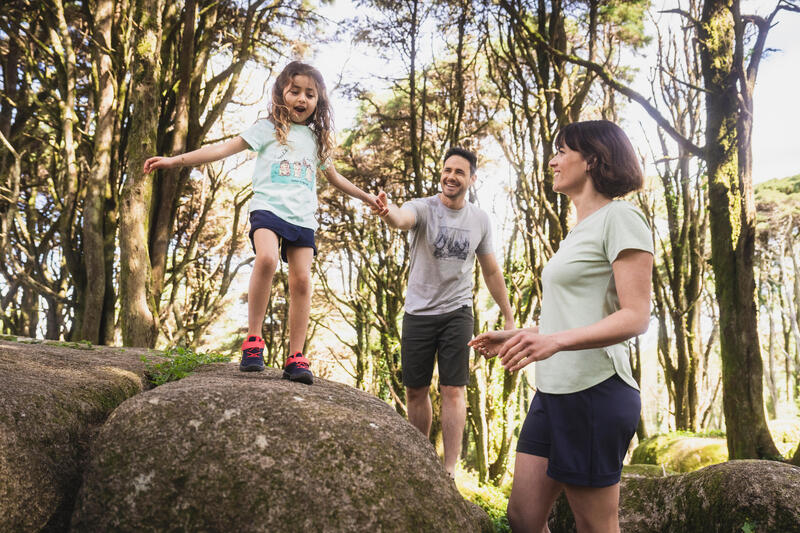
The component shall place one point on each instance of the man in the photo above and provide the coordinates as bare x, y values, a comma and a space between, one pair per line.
447, 233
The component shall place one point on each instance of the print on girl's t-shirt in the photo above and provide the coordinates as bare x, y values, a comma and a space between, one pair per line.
451, 243
286, 171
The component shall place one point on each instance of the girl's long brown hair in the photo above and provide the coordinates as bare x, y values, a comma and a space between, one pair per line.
320, 121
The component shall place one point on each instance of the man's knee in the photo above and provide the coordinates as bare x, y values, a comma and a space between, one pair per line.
516, 515
417, 394
452, 394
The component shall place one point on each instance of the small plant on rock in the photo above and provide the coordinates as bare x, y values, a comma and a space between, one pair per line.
179, 363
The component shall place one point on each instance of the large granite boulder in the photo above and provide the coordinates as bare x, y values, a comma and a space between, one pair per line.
52, 398
223, 450
735, 496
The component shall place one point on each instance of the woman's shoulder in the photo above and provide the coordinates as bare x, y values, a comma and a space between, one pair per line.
624, 223
622, 206
622, 210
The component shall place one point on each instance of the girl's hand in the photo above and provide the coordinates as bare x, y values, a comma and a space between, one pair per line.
488, 344
378, 204
158, 162
525, 347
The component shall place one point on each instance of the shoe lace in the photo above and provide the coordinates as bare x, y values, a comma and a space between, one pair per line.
252, 352
298, 361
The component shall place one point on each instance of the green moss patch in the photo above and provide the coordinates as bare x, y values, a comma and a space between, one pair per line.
681, 452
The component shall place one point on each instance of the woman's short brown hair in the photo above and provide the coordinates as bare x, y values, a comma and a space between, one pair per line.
613, 166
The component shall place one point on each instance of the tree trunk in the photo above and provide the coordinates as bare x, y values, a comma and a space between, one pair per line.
94, 257
62, 44
732, 222
168, 187
137, 302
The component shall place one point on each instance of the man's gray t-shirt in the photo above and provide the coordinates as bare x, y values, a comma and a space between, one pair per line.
444, 242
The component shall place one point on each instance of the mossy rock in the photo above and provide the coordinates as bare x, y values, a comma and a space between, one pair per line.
681, 453
223, 450
646, 470
734, 496
52, 398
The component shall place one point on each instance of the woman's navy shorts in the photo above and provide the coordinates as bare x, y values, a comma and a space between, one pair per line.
585, 435
288, 234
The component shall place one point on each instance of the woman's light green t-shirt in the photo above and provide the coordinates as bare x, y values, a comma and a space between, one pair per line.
578, 290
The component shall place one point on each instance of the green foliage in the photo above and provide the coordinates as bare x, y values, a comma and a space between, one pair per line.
179, 363
777, 201
786, 434
490, 498
748, 527
626, 20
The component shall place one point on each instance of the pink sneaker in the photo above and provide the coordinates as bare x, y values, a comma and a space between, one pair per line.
252, 354
296, 369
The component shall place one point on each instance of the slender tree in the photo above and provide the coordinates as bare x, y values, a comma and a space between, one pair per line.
727, 80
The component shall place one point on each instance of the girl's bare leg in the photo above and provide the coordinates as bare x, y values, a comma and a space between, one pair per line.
300, 259
266, 243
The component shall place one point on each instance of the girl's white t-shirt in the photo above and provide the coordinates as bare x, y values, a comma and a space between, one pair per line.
285, 176
578, 290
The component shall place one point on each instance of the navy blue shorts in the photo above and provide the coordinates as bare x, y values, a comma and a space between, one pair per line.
427, 338
585, 435
288, 234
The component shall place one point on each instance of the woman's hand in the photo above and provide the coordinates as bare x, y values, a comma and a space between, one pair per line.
525, 347
158, 162
488, 344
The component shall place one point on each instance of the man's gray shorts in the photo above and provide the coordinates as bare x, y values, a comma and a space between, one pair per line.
426, 338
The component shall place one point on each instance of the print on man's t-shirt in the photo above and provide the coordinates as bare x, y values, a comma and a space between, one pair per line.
451, 243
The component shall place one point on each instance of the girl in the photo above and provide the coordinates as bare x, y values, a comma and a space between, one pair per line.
292, 143
595, 296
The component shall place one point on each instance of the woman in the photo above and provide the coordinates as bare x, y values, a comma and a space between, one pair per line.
596, 296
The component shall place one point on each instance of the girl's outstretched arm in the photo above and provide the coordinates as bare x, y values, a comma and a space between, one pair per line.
347, 187
206, 154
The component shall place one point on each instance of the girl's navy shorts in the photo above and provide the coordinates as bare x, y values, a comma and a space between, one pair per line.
288, 234
585, 435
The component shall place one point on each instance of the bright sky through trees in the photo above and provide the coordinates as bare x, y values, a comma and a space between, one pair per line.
776, 143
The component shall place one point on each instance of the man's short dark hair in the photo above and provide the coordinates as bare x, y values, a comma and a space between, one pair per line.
466, 154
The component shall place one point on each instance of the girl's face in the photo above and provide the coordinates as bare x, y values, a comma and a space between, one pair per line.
300, 96
570, 170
